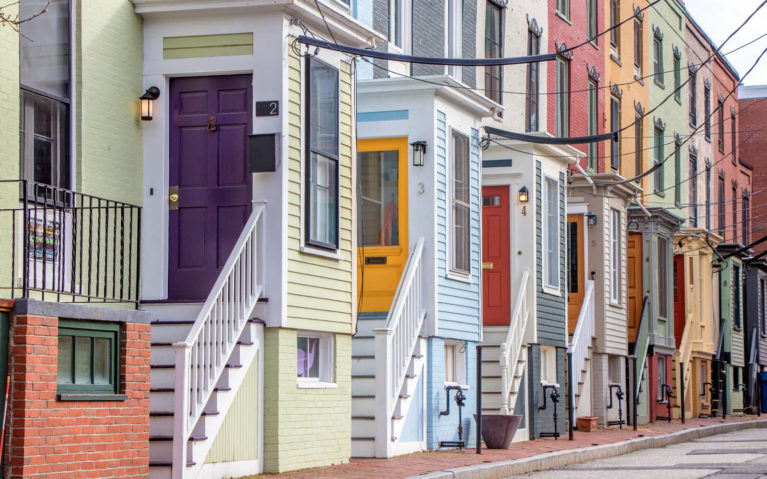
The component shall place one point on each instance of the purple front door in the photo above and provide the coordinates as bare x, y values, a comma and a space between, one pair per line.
209, 126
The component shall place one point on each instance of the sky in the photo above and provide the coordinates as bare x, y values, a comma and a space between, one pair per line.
719, 18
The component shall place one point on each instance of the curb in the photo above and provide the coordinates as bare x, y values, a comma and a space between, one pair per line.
504, 469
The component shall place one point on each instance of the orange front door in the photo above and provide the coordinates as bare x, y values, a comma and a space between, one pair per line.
635, 283
575, 270
496, 278
381, 220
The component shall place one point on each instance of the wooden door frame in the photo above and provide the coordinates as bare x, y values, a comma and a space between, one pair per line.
510, 293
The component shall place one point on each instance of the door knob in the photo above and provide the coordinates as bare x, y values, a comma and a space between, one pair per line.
173, 197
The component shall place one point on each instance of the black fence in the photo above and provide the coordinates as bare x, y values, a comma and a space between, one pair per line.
61, 245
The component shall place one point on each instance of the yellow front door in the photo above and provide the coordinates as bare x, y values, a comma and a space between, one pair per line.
381, 220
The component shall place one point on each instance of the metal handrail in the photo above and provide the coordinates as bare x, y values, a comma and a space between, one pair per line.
512, 346
202, 357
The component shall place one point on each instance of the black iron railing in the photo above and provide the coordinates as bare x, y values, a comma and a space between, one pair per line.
61, 245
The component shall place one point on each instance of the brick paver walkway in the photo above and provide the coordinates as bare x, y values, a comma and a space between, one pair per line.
425, 462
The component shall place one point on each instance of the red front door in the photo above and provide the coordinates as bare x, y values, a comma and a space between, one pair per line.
679, 307
496, 279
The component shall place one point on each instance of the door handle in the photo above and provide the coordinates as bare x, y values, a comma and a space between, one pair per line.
173, 197
487, 265
212, 124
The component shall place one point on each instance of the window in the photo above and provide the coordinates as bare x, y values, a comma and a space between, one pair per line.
615, 125
637, 47
45, 76
657, 62
592, 125
322, 155
548, 365
677, 77
661, 377
615, 33
493, 49
638, 146
399, 23
736, 378
733, 139
744, 209
720, 210
563, 97
734, 214
708, 197
720, 126
455, 363
662, 277
762, 313
693, 98
707, 110
454, 34
89, 357
591, 13
531, 97
378, 198
736, 295
461, 204
703, 380
677, 174
563, 8
658, 158
314, 358
551, 233
693, 198
615, 255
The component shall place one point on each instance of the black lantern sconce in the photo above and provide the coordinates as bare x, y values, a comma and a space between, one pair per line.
523, 197
147, 100
419, 150
591, 219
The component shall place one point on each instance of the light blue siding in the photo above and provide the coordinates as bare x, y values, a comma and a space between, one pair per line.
445, 428
389, 115
458, 302
413, 429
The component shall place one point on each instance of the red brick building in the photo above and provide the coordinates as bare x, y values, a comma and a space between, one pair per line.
752, 139
574, 75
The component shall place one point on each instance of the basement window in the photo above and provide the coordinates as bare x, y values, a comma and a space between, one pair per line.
548, 365
314, 360
88, 360
455, 363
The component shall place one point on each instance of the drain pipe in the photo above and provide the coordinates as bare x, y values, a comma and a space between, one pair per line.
554, 400
479, 400
460, 400
618, 394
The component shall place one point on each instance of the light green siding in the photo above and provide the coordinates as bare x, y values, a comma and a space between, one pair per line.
237, 440
666, 17
304, 427
319, 289
108, 52
198, 46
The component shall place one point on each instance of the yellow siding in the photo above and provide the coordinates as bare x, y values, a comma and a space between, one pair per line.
238, 438
319, 289
197, 46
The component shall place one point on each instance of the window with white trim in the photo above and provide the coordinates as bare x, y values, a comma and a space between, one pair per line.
455, 363
661, 377
548, 365
314, 358
615, 257
453, 34
551, 232
399, 24
461, 206
662, 277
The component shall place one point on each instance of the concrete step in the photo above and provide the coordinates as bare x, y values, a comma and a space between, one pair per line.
363, 405
363, 447
171, 331
363, 345
160, 472
363, 426
367, 322
363, 365
363, 385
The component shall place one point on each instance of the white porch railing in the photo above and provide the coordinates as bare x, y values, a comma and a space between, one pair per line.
202, 357
582, 336
684, 356
512, 346
395, 343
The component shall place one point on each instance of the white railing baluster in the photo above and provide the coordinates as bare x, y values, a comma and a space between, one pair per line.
583, 334
511, 348
202, 357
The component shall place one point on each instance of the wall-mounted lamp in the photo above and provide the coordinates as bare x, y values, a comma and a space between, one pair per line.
591, 219
419, 150
524, 197
147, 99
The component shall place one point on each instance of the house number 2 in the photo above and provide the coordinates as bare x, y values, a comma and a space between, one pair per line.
268, 108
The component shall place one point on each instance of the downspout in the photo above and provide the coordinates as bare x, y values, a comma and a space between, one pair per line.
641, 207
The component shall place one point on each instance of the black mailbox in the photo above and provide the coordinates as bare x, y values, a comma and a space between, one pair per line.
263, 152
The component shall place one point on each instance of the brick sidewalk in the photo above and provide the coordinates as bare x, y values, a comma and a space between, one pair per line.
425, 462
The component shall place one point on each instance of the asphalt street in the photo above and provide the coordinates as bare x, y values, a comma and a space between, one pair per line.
740, 454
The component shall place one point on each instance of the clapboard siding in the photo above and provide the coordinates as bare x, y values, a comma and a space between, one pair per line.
458, 302
550, 309
738, 357
616, 341
319, 289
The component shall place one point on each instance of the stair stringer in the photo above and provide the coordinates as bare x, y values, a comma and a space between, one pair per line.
583, 396
416, 370
222, 400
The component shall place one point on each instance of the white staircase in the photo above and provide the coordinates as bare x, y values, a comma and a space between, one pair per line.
504, 356
388, 357
581, 343
204, 351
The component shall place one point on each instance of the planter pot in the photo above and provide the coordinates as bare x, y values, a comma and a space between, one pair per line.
498, 429
587, 423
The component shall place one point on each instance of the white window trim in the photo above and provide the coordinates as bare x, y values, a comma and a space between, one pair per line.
451, 272
454, 71
548, 288
548, 365
459, 358
326, 379
615, 269
303, 247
